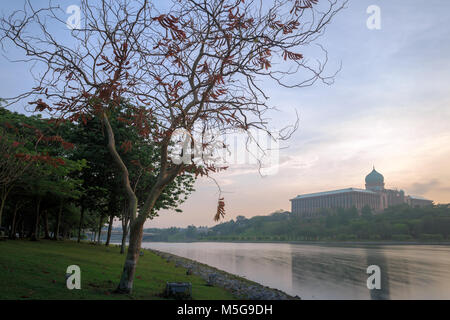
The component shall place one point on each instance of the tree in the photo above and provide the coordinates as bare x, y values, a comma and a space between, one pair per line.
39, 170
51, 179
102, 180
366, 212
197, 67
11, 166
31, 152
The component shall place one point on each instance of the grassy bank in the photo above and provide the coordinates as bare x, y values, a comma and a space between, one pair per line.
36, 270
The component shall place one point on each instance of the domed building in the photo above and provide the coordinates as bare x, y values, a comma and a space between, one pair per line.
374, 195
375, 181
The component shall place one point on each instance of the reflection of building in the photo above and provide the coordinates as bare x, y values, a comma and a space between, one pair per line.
375, 196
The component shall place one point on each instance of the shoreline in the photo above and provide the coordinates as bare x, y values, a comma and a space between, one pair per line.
239, 287
331, 243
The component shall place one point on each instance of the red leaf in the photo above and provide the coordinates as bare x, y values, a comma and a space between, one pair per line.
220, 210
126, 146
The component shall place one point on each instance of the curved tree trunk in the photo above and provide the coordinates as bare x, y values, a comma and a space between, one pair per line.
125, 225
165, 177
129, 268
136, 231
124, 240
126, 281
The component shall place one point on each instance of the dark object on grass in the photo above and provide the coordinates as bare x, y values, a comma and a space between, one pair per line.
178, 290
141, 253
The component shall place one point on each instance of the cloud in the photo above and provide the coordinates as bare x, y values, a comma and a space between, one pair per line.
423, 188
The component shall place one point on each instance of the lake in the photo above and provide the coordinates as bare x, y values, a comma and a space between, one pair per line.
314, 271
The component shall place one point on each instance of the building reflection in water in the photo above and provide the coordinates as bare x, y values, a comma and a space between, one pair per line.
376, 256
324, 272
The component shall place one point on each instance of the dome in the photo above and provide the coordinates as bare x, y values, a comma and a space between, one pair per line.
374, 177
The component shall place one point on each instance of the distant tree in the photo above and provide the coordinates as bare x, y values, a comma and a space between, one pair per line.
33, 157
12, 167
366, 212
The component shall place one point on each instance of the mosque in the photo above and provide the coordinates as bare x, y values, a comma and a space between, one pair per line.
374, 195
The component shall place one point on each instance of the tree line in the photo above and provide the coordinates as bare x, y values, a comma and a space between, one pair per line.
57, 182
397, 223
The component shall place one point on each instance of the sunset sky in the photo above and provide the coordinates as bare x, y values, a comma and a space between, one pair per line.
389, 107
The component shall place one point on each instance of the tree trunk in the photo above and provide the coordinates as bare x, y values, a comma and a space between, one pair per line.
81, 224
46, 231
136, 231
22, 228
100, 224
129, 268
2, 205
125, 222
12, 235
124, 240
5, 192
108, 238
137, 223
35, 234
58, 221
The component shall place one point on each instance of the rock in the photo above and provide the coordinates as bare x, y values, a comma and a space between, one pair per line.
212, 279
178, 290
238, 287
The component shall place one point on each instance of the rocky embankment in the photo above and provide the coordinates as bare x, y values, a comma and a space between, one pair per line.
239, 287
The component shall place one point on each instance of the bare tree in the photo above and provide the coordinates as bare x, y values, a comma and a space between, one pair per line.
196, 65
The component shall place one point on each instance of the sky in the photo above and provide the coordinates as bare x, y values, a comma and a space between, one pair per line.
389, 107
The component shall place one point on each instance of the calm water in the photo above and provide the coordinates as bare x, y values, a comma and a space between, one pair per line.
328, 271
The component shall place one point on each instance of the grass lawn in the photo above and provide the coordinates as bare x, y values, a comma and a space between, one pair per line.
36, 270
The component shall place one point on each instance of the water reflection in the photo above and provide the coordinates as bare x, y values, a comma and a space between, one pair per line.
376, 256
329, 272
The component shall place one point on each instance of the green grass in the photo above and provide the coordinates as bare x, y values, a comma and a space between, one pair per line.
36, 270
